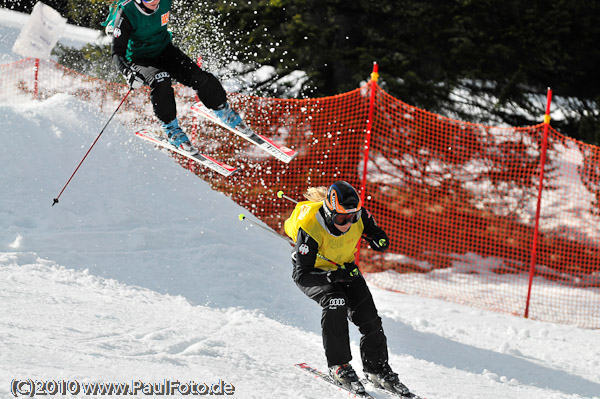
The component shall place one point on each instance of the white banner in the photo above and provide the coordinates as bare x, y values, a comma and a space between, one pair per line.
41, 32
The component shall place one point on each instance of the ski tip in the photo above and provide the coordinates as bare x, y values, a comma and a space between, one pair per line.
242, 216
293, 156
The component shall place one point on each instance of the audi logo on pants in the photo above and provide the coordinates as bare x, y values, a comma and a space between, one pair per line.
335, 302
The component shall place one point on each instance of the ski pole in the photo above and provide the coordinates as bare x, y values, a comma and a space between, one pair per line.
93, 144
243, 217
330, 261
280, 194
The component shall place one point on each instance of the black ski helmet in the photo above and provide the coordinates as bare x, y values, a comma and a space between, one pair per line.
341, 204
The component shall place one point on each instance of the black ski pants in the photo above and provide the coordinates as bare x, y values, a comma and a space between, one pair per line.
172, 63
350, 301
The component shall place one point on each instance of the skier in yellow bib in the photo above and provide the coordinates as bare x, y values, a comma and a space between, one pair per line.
326, 230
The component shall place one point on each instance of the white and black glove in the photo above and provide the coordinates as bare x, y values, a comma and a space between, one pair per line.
379, 244
133, 76
378, 241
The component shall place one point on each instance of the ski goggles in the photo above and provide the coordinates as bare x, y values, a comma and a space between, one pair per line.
344, 218
149, 1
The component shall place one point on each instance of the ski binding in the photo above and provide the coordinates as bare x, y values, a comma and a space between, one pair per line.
358, 390
280, 152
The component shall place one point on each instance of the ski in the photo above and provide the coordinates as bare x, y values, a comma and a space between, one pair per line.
202, 159
280, 152
395, 394
325, 377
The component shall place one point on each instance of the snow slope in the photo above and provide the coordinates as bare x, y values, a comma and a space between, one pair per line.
143, 273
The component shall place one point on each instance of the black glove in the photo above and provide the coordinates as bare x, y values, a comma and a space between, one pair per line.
133, 76
345, 274
379, 244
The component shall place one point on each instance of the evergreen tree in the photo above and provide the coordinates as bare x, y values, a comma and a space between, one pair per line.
482, 61
90, 13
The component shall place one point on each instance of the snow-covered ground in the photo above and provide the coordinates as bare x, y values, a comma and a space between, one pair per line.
143, 273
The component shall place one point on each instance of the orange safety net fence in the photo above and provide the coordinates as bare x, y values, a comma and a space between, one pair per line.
457, 199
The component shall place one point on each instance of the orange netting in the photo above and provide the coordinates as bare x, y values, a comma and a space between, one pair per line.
457, 199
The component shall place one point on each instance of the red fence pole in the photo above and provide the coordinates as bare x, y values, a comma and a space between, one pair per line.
36, 69
539, 201
363, 183
373, 85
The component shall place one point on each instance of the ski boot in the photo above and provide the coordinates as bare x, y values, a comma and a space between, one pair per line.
388, 380
232, 119
178, 138
346, 376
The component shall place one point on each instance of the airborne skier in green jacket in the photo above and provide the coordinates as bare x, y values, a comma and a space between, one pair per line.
143, 51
